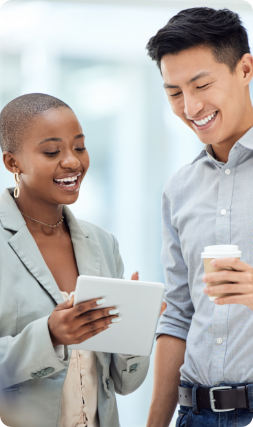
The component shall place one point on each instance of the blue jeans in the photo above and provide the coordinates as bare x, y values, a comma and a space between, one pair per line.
195, 417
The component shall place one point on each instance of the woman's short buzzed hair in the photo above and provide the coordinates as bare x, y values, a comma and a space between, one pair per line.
17, 115
220, 30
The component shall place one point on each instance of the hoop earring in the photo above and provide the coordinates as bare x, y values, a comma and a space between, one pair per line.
17, 189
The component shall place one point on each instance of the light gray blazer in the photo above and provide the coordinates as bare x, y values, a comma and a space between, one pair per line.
31, 374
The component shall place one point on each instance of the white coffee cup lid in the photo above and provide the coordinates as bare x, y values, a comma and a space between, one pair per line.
221, 251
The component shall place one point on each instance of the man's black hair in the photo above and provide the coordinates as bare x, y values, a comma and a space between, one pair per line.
220, 30
17, 116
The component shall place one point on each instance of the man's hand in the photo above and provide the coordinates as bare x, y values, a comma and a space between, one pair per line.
242, 278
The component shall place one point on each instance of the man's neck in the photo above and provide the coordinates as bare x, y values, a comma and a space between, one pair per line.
221, 151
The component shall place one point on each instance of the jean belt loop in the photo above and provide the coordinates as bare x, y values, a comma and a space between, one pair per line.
194, 399
249, 388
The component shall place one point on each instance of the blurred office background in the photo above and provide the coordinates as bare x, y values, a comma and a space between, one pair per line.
92, 55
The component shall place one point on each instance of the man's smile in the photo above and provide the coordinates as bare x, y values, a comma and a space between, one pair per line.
206, 122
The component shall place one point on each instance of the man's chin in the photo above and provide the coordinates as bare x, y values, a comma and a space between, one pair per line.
210, 139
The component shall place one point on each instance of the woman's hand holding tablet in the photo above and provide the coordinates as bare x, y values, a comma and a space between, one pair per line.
139, 303
73, 325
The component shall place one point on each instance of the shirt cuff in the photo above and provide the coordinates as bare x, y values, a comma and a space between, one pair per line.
59, 350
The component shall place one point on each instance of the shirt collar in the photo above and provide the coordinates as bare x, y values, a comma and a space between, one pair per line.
246, 141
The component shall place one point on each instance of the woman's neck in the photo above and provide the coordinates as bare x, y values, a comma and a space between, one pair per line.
38, 210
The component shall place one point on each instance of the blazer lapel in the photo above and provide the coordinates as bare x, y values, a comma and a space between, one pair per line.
27, 250
87, 252
24, 245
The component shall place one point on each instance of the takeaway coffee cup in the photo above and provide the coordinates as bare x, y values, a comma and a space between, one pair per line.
218, 251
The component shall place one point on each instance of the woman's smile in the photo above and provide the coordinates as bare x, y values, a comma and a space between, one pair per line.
70, 182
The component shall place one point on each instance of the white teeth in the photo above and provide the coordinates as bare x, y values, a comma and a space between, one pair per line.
69, 179
70, 185
205, 120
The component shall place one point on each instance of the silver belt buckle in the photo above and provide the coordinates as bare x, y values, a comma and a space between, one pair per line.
212, 399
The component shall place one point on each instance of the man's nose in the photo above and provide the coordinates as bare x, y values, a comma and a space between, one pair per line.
70, 161
192, 106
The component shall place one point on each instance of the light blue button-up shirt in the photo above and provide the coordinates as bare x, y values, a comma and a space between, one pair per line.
208, 203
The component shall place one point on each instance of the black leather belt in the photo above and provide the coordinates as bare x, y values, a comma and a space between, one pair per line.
219, 399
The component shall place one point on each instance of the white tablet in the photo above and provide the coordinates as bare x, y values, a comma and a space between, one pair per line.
139, 304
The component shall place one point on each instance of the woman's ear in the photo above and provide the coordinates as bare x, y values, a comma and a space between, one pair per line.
11, 162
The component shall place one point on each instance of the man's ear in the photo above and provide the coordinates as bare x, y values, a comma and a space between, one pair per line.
246, 67
11, 162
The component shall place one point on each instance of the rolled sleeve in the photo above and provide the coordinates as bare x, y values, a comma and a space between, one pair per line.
176, 319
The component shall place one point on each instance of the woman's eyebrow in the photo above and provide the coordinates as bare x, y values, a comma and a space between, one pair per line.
50, 139
81, 135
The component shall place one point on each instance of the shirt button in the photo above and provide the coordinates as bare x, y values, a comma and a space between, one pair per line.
219, 340
227, 171
82, 371
80, 351
84, 410
223, 212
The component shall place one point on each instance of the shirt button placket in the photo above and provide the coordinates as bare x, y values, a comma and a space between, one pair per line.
223, 233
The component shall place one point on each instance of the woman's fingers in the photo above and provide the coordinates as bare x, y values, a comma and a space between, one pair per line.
68, 324
163, 308
89, 335
135, 276
62, 319
64, 305
86, 306
90, 329
94, 315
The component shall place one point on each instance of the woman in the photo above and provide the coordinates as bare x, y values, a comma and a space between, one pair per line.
43, 249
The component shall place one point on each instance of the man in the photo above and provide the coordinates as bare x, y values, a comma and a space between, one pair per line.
205, 61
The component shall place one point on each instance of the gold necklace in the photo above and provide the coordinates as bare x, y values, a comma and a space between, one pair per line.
48, 225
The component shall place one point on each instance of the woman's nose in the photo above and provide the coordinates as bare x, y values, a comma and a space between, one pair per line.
70, 161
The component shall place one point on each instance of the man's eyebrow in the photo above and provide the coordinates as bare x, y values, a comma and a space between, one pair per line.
81, 135
198, 76
167, 86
